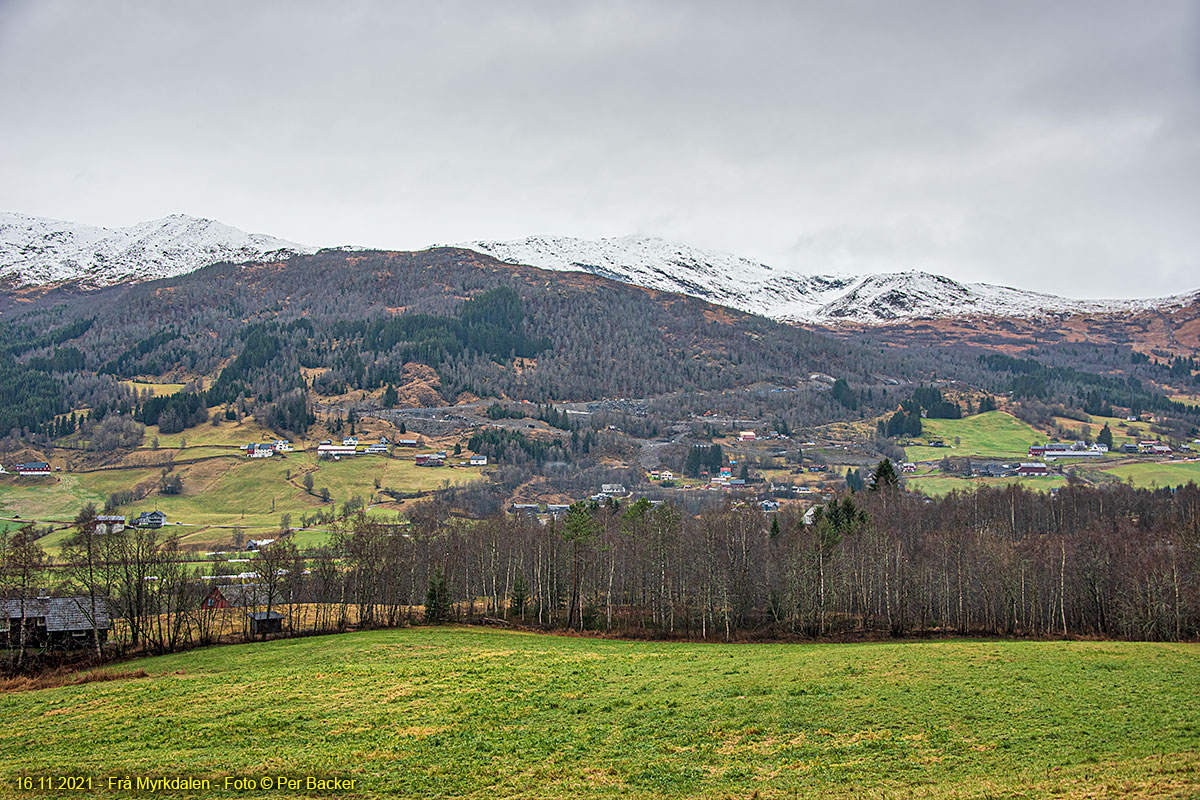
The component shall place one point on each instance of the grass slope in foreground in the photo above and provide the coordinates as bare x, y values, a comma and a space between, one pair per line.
446, 712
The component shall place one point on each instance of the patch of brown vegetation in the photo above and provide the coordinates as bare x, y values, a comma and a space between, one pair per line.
1175, 331
55, 679
719, 315
420, 386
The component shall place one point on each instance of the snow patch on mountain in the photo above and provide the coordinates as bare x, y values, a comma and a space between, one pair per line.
719, 278
733, 281
35, 251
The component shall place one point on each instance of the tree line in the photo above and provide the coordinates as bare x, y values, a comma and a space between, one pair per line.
1119, 563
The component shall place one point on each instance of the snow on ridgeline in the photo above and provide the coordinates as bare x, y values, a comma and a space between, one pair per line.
35, 251
759, 289
719, 278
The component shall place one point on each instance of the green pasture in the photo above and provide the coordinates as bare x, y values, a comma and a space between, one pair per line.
993, 434
465, 713
1151, 474
938, 485
226, 492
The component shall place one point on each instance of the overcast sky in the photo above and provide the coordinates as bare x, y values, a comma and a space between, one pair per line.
1051, 146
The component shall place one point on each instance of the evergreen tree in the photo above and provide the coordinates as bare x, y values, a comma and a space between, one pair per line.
437, 600
844, 394
885, 477
520, 596
854, 480
1105, 437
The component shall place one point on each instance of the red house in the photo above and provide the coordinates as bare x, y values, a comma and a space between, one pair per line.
236, 595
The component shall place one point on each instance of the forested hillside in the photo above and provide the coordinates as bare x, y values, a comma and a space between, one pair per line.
338, 322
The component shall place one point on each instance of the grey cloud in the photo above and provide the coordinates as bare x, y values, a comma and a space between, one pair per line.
1052, 146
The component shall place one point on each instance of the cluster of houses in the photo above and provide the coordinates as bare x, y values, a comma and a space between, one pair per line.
350, 446
1055, 450
108, 523
438, 459
266, 450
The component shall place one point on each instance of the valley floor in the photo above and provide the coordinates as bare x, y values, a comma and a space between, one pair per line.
455, 712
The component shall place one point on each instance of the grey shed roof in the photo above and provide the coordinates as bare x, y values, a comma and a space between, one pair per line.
61, 613
261, 615
244, 594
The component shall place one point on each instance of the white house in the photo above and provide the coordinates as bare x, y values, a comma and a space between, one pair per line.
478, 461
33, 468
283, 446
336, 450
612, 489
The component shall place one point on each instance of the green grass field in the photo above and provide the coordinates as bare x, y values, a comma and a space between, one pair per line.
1146, 475
1123, 432
938, 485
993, 434
450, 712
224, 434
226, 492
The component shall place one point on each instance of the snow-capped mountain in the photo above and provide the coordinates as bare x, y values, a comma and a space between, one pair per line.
35, 251
719, 278
760, 289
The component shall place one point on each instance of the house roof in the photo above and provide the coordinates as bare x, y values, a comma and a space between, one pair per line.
262, 615
61, 613
244, 594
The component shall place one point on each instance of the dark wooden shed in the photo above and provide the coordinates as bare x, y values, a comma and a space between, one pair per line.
265, 622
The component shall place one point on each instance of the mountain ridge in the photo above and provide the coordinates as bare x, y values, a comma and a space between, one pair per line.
39, 252
810, 298
36, 251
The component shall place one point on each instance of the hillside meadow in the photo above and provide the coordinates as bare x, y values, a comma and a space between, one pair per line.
1149, 475
992, 434
456, 712
226, 492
